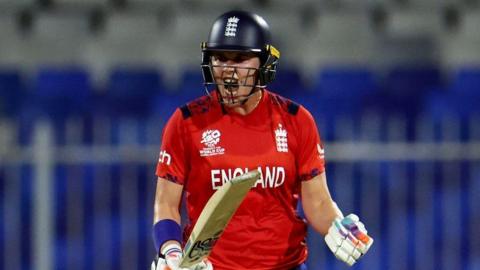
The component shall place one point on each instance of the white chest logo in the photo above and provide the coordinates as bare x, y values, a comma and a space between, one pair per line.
231, 27
281, 139
210, 138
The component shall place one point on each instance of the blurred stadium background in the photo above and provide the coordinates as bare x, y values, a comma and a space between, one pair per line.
87, 85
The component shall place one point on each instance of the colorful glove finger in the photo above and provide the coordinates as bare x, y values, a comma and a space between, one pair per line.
347, 238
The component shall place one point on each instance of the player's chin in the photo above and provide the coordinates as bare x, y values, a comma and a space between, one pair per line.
232, 102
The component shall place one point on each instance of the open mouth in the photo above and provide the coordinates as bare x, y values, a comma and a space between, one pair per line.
231, 84
231, 87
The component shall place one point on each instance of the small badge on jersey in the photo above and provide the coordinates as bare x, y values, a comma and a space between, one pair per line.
281, 139
210, 138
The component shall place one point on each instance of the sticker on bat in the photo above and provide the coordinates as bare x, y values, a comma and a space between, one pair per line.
202, 247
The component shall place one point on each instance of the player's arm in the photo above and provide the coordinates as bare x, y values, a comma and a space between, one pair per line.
167, 229
346, 237
318, 205
167, 200
171, 170
166, 224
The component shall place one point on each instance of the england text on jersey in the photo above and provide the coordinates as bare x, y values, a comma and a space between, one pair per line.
270, 177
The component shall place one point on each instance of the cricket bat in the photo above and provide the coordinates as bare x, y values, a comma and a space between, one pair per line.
215, 216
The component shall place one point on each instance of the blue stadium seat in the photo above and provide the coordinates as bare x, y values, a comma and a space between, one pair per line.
288, 83
344, 90
407, 86
467, 81
340, 92
62, 92
406, 80
461, 98
59, 94
11, 92
131, 90
164, 105
442, 104
346, 82
189, 88
191, 84
452, 106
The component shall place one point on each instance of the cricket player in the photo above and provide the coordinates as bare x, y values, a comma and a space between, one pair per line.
240, 126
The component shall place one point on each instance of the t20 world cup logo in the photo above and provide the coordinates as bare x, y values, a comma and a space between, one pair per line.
211, 137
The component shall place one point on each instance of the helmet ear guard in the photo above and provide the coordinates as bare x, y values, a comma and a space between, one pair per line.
206, 68
268, 70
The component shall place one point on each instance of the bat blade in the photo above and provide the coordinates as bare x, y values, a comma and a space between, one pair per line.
215, 216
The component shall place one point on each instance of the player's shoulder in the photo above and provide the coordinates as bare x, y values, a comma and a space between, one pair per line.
295, 110
197, 107
286, 105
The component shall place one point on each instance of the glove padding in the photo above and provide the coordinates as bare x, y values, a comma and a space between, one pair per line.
347, 238
172, 260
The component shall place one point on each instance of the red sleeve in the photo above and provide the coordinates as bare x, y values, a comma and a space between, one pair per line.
172, 161
310, 154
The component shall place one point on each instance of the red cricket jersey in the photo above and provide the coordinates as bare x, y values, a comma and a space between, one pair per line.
203, 146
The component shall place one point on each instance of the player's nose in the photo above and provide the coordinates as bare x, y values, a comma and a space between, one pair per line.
229, 72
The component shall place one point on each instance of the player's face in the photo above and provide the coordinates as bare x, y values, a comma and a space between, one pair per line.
235, 74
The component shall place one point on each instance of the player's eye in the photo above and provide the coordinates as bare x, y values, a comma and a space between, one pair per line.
241, 58
236, 58
220, 58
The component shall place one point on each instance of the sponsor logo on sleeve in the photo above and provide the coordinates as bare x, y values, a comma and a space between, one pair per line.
164, 157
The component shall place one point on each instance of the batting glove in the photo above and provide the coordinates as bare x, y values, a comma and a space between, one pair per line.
347, 238
173, 255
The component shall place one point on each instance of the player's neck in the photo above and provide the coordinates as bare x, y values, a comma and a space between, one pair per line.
250, 105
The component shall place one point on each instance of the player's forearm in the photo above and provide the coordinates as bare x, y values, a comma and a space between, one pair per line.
318, 205
163, 211
167, 200
166, 216
320, 215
